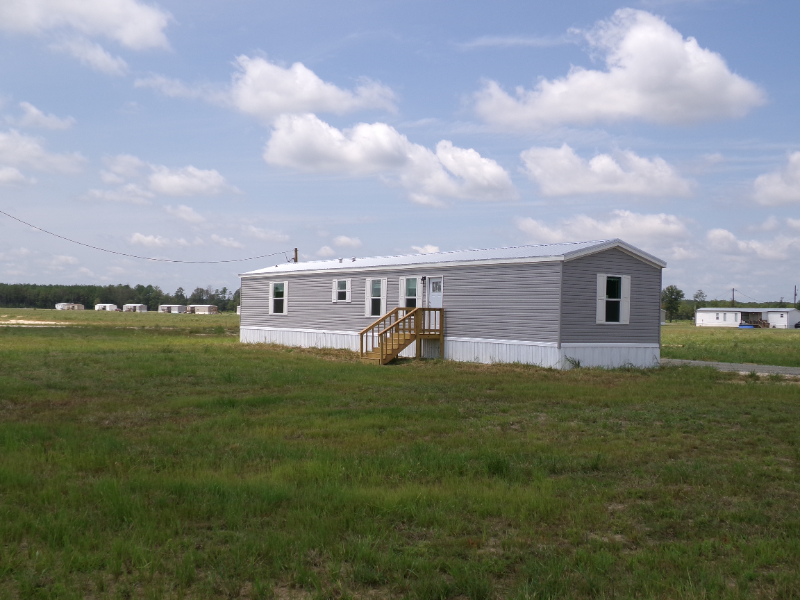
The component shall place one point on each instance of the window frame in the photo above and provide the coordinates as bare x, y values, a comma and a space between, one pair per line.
368, 296
401, 293
348, 291
624, 300
272, 298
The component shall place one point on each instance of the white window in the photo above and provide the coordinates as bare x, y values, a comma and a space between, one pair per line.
341, 290
410, 292
717, 316
724, 316
613, 299
279, 298
375, 297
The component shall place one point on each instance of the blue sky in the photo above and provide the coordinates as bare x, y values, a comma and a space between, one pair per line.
207, 130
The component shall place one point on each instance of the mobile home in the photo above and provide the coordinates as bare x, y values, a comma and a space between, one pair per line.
68, 306
111, 307
134, 308
768, 318
172, 308
202, 309
558, 305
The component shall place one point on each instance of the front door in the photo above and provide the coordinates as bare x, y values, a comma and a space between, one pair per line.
434, 292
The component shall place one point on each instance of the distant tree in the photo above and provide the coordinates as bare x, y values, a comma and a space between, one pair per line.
198, 296
180, 296
671, 298
700, 299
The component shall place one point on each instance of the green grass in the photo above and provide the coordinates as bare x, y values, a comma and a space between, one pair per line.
757, 346
163, 463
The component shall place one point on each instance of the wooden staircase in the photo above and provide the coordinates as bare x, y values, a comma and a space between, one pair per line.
395, 331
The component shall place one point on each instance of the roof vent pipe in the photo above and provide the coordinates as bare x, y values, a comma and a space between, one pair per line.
341, 259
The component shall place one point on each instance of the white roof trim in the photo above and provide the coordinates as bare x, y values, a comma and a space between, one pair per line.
513, 254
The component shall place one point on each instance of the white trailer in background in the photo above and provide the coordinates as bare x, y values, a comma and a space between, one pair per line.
68, 306
781, 318
172, 308
111, 307
718, 317
203, 309
134, 308
772, 318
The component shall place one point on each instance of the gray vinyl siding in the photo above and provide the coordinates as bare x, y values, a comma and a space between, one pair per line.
507, 302
579, 300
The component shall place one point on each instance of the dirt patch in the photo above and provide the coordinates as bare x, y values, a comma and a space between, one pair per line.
26, 323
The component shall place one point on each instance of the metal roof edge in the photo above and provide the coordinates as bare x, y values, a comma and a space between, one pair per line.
589, 247
415, 266
616, 243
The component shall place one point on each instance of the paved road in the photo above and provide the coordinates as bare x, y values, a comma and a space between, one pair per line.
735, 367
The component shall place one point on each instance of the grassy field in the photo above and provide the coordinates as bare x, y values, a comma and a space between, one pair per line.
757, 346
173, 462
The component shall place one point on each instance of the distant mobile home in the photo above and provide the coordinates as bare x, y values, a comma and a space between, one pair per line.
771, 318
172, 308
202, 309
111, 307
68, 306
558, 305
134, 308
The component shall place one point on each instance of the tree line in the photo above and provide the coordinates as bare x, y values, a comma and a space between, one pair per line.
677, 306
31, 295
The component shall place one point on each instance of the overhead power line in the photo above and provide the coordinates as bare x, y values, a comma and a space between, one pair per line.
191, 262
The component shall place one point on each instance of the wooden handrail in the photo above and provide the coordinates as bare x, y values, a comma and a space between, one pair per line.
386, 316
420, 326
396, 323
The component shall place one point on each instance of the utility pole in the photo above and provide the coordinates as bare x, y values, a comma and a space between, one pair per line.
733, 297
795, 295
295, 255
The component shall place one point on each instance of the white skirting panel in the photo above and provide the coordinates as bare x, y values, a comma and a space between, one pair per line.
304, 338
475, 349
611, 356
502, 351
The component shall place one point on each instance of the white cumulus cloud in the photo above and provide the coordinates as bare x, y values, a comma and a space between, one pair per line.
18, 149
426, 249
92, 55
264, 90
267, 235
781, 247
122, 167
781, 186
156, 241
342, 241
638, 229
326, 252
13, 176
130, 193
131, 23
187, 181
561, 172
652, 74
226, 242
185, 213
61, 260
33, 117
306, 143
